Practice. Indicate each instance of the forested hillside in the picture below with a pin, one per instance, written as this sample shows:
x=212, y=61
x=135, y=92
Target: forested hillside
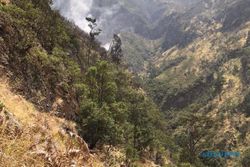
x=181, y=89
x=192, y=57
x=64, y=73
x=205, y=76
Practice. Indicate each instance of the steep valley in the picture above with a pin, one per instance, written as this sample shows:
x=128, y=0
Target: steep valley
x=183, y=87
x=194, y=58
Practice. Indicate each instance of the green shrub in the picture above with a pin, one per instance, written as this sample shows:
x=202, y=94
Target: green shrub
x=131, y=153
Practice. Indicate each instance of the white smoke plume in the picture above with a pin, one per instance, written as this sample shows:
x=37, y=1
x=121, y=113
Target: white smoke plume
x=77, y=10
x=106, y=46
x=74, y=10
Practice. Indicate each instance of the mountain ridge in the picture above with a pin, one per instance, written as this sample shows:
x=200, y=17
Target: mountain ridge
x=185, y=91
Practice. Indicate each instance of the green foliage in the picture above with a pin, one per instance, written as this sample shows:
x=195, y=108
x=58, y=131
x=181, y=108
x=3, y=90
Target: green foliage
x=132, y=153
x=100, y=127
x=193, y=134
x=145, y=120
x=113, y=112
x=55, y=68
x=54, y=58
x=101, y=83
x=102, y=118
x=35, y=16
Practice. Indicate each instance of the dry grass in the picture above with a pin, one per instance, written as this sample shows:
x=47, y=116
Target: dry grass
x=41, y=141
x=15, y=152
x=207, y=48
x=5, y=2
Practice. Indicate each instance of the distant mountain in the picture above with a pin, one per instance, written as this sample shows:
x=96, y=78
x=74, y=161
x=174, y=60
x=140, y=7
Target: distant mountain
x=188, y=92
x=162, y=22
x=192, y=56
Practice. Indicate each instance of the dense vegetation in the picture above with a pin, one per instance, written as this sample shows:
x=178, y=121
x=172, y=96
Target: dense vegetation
x=188, y=111
x=50, y=57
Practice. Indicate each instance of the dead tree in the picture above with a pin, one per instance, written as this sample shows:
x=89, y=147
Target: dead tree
x=94, y=30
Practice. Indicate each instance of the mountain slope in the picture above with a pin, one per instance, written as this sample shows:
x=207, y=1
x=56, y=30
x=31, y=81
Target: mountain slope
x=195, y=60
x=31, y=137
x=209, y=75
x=206, y=54
x=64, y=73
